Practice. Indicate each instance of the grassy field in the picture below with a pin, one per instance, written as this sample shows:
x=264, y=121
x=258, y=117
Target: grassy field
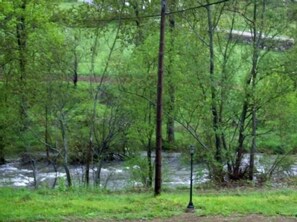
x=82, y=204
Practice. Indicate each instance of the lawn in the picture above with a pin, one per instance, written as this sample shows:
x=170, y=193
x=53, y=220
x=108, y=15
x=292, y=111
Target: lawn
x=90, y=204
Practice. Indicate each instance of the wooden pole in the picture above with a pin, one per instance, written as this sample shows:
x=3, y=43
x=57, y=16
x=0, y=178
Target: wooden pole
x=158, y=172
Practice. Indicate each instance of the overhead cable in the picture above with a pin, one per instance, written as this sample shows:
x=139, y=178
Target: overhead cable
x=119, y=18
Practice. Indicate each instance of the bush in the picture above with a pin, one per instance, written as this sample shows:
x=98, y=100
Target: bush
x=139, y=171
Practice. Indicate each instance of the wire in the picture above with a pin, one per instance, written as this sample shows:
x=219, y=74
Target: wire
x=158, y=15
x=197, y=7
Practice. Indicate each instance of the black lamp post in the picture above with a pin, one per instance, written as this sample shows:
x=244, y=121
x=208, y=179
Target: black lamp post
x=190, y=207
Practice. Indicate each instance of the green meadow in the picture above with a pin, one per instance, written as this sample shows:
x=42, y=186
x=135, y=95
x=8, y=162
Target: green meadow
x=91, y=204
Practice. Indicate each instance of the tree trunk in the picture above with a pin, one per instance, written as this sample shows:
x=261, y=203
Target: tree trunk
x=68, y=176
x=75, y=69
x=34, y=169
x=217, y=166
x=22, y=59
x=139, y=37
x=249, y=94
x=65, y=150
x=88, y=161
x=170, y=117
x=241, y=138
x=150, y=165
x=170, y=74
x=98, y=172
x=2, y=156
x=46, y=135
x=254, y=144
x=149, y=146
x=56, y=171
x=256, y=42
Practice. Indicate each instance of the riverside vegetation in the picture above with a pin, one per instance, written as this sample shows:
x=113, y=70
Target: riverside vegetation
x=78, y=86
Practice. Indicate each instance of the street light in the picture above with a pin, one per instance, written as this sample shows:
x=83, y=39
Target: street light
x=190, y=207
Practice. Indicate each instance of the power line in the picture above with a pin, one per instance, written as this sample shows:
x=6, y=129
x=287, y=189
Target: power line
x=197, y=7
x=158, y=15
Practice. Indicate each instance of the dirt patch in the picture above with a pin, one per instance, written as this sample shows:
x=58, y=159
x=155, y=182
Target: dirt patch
x=250, y=218
x=191, y=217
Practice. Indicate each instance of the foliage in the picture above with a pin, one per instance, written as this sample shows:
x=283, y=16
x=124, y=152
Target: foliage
x=79, y=80
x=139, y=171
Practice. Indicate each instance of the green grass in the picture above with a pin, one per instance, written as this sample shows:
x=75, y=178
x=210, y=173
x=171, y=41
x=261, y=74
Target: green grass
x=105, y=41
x=81, y=204
x=69, y=5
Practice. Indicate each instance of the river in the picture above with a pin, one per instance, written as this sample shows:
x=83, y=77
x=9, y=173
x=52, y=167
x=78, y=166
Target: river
x=117, y=174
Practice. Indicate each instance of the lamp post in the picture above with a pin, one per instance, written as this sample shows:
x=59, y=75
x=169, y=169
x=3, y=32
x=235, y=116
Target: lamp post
x=190, y=207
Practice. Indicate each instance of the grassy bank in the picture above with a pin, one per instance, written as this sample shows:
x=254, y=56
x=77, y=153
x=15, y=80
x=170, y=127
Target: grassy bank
x=57, y=205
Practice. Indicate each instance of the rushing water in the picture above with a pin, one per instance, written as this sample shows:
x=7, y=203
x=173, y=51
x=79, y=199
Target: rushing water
x=114, y=175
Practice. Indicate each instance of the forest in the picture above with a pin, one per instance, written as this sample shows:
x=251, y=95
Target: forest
x=78, y=85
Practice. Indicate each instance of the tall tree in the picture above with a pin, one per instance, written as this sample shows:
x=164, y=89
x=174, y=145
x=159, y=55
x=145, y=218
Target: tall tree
x=170, y=75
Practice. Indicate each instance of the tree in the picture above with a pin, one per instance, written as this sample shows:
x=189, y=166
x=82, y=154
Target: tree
x=233, y=69
x=171, y=72
x=214, y=84
x=139, y=96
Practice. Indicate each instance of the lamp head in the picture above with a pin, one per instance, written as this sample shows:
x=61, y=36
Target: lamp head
x=192, y=149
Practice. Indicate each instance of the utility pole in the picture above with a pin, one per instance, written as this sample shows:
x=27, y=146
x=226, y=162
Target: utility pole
x=158, y=172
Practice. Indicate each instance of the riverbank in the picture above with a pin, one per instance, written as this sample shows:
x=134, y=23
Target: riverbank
x=81, y=204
